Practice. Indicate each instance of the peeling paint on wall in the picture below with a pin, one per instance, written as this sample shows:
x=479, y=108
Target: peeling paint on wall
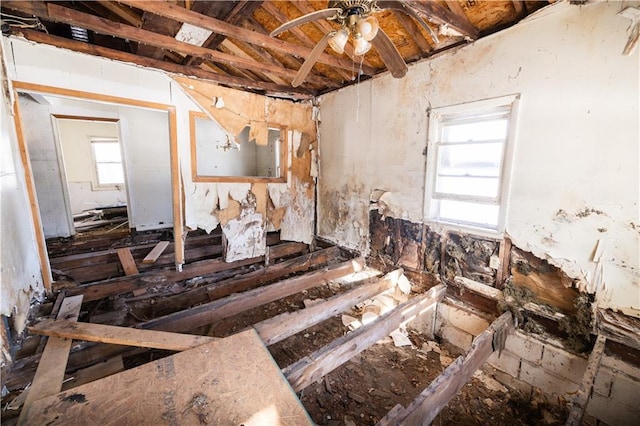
x=286, y=207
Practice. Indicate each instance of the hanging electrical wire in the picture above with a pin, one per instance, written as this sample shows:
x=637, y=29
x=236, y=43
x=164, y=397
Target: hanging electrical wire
x=8, y=20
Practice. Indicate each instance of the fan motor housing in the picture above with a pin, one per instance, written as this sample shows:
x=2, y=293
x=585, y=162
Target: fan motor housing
x=350, y=7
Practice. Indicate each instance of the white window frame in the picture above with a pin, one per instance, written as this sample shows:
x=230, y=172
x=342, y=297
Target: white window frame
x=467, y=111
x=106, y=186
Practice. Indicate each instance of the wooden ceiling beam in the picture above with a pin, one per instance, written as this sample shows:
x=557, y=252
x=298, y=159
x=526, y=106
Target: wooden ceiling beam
x=181, y=14
x=240, y=10
x=520, y=8
x=103, y=26
x=123, y=12
x=414, y=32
x=441, y=15
x=118, y=55
x=232, y=48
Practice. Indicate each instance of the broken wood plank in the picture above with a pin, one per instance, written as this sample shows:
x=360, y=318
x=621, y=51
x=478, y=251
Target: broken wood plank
x=313, y=367
x=156, y=252
x=280, y=327
x=126, y=259
x=50, y=373
x=119, y=335
x=229, y=381
x=120, y=285
x=208, y=313
x=98, y=371
x=479, y=288
x=580, y=401
x=242, y=282
x=92, y=49
x=438, y=394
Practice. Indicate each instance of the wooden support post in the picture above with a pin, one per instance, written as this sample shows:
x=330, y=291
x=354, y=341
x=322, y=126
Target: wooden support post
x=287, y=324
x=311, y=368
x=209, y=313
x=127, y=261
x=579, y=404
x=156, y=252
x=504, y=255
x=119, y=335
x=434, y=398
x=53, y=363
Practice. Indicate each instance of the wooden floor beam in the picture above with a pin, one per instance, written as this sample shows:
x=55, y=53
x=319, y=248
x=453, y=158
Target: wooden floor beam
x=242, y=282
x=434, y=398
x=120, y=285
x=313, y=367
x=280, y=327
x=209, y=313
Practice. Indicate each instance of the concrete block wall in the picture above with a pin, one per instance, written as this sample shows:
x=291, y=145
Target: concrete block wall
x=527, y=362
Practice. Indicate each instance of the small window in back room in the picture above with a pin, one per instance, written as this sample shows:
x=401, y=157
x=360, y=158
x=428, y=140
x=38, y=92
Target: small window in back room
x=467, y=162
x=108, y=161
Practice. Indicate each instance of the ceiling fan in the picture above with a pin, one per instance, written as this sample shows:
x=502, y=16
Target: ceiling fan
x=357, y=20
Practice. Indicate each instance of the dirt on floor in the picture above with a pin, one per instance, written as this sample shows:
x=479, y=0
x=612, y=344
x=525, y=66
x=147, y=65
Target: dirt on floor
x=364, y=389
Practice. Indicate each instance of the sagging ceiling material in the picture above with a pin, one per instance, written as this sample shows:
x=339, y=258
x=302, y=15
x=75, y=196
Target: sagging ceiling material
x=228, y=41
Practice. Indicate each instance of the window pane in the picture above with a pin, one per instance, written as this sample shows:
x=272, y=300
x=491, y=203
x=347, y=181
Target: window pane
x=474, y=186
x=485, y=215
x=107, y=152
x=110, y=173
x=475, y=131
x=470, y=159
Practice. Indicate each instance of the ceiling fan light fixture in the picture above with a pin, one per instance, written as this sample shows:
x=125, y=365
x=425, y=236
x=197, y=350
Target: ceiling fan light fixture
x=368, y=27
x=360, y=45
x=339, y=40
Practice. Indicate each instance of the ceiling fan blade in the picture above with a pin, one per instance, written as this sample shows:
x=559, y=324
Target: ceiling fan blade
x=408, y=10
x=311, y=60
x=389, y=54
x=313, y=16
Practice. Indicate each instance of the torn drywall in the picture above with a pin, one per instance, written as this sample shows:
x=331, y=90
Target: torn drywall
x=244, y=237
x=286, y=207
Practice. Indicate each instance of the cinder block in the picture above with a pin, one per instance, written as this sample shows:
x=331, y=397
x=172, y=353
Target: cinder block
x=424, y=323
x=548, y=382
x=507, y=362
x=524, y=346
x=621, y=366
x=508, y=380
x=456, y=337
x=602, y=384
x=625, y=391
x=462, y=319
x=563, y=363
x=611, y=412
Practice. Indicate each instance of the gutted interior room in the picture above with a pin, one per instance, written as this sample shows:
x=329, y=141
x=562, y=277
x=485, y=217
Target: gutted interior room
x=349, y=212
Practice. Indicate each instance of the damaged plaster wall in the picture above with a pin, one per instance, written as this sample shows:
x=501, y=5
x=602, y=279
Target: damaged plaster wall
x=20, y=274
x=246, y=211
x=574, y=188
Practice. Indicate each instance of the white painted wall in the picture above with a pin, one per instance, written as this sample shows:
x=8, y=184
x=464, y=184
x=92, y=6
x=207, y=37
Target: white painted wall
x=20, y=275
x=577, y=144
x=48, y=178
x=145, y=139
x=81, y=175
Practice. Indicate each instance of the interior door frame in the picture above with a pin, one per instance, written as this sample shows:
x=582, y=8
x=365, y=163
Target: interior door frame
x=176, y=188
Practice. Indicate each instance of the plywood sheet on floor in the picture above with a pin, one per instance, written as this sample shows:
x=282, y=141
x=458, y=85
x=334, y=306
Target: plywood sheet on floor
x=230, y=381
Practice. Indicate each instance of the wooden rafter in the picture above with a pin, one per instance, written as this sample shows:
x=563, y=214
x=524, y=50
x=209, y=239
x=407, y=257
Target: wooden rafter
x=90, y=49
x=123, y=12
x=440, y=15
x=414, y=32
x=178, y=13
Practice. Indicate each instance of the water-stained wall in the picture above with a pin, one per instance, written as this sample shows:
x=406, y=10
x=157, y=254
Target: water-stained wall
x=573, y=197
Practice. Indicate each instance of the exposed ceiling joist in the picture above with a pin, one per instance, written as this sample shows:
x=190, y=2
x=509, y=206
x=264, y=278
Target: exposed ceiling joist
x=179, y=13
